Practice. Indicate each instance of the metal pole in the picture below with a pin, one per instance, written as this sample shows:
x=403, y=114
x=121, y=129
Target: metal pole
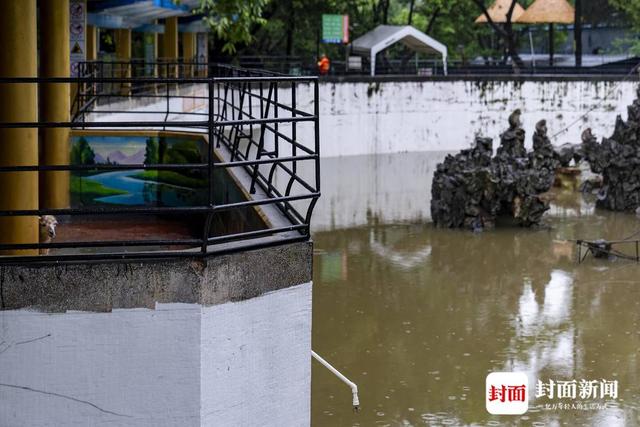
x=211, y=172
x=533, y=54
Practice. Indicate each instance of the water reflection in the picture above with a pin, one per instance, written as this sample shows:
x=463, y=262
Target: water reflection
x=418, y=316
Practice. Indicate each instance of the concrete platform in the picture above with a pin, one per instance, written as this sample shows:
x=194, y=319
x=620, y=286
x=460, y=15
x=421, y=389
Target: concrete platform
x=189, y=342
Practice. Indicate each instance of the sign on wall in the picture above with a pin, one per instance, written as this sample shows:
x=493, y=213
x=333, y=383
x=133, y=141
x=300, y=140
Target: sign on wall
x=335, y=29
x=77, y=33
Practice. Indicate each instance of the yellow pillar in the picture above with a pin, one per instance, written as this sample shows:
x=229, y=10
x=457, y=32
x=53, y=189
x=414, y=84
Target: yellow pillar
x=189, y=52
x=54, y=102
x=123, y=54
x=18, y=103
x=171, y=43
x=92, y=43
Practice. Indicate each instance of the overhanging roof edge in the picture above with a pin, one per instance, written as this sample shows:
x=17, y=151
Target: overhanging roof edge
x=138, y=12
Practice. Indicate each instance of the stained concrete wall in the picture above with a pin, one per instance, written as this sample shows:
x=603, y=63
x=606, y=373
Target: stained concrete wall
x=389, y=116
x=186, y=342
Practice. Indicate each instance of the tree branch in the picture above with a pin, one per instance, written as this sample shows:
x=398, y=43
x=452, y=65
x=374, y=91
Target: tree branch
x=411, y=5
x=485, y=12
x=432, y=20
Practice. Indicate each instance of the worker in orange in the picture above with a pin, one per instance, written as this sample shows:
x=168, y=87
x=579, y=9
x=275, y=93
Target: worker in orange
x=323, y=65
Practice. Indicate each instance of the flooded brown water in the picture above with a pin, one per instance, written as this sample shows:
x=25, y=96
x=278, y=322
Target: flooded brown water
x=418, y=316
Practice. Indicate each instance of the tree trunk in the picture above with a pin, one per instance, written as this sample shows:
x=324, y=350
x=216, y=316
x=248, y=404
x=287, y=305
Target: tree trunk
x=577, y=32
x=291, y=23
x=432, y=21
x=410, y=12
x=512, y=50
x=506, y=33
x=385, y=12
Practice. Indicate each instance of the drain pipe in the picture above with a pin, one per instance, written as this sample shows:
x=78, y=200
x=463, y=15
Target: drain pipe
x=351, y=384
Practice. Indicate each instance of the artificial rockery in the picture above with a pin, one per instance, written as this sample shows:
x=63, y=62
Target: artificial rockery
x=617, y=158
x=473, y=188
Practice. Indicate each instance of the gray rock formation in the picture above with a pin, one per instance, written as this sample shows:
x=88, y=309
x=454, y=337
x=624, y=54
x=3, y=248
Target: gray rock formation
x=617, y=158
x=472, y=188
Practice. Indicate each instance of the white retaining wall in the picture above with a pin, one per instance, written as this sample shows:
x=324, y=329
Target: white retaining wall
x=234, y=364
x=390, y=117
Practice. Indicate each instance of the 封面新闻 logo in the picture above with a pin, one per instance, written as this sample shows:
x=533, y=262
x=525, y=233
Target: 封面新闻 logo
x=507, y=393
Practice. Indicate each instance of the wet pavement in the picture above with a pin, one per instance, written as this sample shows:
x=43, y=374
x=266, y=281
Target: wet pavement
x=418, y=316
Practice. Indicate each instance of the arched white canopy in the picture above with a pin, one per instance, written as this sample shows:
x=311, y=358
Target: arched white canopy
x=384, y=36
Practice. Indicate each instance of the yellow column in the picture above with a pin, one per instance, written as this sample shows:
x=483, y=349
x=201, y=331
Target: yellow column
x=123, y=54
x=171, y=43
x=92, y=43
x=189, y=51
x=18, y=103
x=54, y=102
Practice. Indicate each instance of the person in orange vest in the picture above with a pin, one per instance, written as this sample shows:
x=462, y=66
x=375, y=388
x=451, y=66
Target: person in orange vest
x=323, y=65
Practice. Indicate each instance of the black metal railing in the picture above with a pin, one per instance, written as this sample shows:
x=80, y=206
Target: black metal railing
x=259, y=138
x=412, y=66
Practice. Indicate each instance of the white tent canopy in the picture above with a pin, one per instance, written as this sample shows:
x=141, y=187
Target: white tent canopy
x=384, y=36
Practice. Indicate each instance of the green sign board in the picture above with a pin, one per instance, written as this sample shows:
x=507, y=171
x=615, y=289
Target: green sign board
x=335, y=28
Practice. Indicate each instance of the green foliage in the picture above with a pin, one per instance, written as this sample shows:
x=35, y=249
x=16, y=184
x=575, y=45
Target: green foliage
x=292, y=27
x=176, y=152
x=152, y=151
x=444, y=19
x=449, y=21
x=82, y=153
x=631, y=10
x=185, y=151
x=232, y=20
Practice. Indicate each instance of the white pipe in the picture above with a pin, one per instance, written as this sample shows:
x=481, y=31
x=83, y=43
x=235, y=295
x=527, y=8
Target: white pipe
x=354, y=387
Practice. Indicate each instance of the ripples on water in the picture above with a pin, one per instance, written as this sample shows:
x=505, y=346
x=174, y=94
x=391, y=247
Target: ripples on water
x=418, y=316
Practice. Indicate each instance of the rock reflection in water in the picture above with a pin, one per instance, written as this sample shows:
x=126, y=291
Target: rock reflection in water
x=418, y=316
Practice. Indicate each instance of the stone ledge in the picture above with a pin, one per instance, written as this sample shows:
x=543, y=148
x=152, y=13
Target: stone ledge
x=106, y=286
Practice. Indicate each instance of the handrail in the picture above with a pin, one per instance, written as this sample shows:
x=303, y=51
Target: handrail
x=230, y=113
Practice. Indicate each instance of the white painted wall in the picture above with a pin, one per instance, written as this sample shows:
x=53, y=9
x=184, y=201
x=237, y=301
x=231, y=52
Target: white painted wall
x=357, y=118
x=235, y=364
x=256, y=361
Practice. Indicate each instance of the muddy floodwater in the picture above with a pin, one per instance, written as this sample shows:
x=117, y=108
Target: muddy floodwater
x=418, y=316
